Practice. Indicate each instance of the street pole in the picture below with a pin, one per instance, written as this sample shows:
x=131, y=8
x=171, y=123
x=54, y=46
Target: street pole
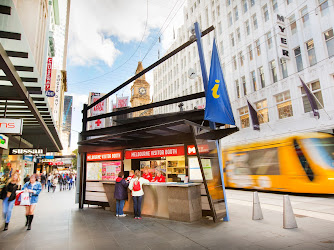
x=211, y=124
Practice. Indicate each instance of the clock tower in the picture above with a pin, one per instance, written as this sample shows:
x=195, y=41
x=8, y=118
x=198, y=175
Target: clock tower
x=140, y=93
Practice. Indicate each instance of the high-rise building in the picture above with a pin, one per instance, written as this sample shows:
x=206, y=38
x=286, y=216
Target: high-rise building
x=66, y=124
x=264, y=47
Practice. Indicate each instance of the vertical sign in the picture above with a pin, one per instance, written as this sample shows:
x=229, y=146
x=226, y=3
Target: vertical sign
x=100, y=108
x=122, y=102
x=56, y=106
x=282, y=42
x=48, y=74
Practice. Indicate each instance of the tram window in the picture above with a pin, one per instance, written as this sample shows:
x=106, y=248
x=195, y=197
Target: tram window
x=255, y=162
x=303, y=161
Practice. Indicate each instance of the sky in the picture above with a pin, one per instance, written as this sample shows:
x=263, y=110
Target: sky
x=106, y=41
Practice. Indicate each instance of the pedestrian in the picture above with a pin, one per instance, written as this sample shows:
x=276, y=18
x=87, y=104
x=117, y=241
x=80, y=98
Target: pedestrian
x=27, y=178
x=43, y=181
x=73, y=180
x=121, y=194
x=136, y=186
x=8, y=194
x=54, y=183
x=131, y=175
x=50, y=177
x=70, y=182
x=34, y=188
x=60, y=181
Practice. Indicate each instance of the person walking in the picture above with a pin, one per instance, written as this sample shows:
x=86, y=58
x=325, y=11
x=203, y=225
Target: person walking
x=60, y=181
x=136, y=187
x=43, y=181
x=70, y=182
x=121, y=194
x=8, y=196
x=34, y=188
x=50, y=177
x=54, y=183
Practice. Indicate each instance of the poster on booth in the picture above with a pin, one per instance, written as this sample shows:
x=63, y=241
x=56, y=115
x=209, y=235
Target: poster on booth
x=110, y=170
x=94, y=171
x=195, y=170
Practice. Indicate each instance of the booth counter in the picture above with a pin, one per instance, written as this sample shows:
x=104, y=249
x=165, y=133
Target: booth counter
x=173, y=201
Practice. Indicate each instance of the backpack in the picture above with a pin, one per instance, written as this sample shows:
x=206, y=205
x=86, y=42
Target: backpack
x=136, y=186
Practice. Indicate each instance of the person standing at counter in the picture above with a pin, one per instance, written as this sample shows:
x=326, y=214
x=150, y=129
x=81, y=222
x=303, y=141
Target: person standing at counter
x=136, y=187
x=147, y=175
x=131, y=175
x=159, y=177
x=121, y=194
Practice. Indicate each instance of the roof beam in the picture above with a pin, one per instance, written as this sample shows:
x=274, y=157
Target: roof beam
x=6, y=10
x=11, y=53
x=9, y=69
x=24, y=68
x=10, y=35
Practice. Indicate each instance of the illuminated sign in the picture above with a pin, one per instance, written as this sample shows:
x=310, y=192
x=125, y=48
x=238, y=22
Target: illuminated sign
x=48, y=74
x=154, y=153
x=26, y=151
x=3, y=141
x=191, y=150
x=105, y=156
x=11, y=126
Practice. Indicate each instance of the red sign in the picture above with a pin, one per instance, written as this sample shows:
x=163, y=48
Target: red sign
x=122, y=102
x=154, y=153
x=201, y=148
x=106, y=156
x=48, y=74
x=56, y=163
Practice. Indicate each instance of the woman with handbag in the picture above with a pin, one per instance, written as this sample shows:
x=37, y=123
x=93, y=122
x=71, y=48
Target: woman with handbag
x=34, y=188
x=8, y=194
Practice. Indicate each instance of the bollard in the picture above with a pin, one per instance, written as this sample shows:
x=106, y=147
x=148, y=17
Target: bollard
x=289, y=220
x=257, y=212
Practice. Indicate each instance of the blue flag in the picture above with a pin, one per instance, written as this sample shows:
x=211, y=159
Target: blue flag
x=218, y=106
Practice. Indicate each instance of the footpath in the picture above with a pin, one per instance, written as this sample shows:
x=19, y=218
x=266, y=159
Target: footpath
x=59, y=224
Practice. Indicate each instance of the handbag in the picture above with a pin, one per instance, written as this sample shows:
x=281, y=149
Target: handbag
x=3, y=193
x=18, y=199
x=25, y=199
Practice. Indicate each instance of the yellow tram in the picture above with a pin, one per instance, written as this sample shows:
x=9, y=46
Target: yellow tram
x=299, y=164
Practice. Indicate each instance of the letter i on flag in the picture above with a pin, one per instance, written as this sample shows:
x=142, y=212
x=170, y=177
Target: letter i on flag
x=253, y=115
x=218, y=106
x=311, y=99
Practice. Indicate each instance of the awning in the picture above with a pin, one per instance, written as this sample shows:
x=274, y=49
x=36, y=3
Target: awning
x=21, y=87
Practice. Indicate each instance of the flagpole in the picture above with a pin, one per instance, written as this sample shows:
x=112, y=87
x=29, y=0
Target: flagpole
x=317, y=100
x=212, y=124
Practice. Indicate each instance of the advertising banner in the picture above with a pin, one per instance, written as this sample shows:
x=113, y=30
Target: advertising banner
x=99, y=109
x=11, y=126
x=3, y=141
x=56, y=106
x=110, y=170
x=122, y=102
x=154, y=153
x=48, y=74
x=105, y=156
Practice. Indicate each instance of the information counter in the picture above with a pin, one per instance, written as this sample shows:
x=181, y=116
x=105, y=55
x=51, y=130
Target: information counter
x=173, y=201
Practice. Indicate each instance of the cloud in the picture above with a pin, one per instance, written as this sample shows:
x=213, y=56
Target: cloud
x=92, y=26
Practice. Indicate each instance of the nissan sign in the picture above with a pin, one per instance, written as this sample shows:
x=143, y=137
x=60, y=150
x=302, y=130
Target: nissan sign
x=26, y=151
x=11, y=126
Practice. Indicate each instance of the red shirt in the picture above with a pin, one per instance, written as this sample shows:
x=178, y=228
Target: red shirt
x=160, y=179
x=147, y=176
x=130, y=177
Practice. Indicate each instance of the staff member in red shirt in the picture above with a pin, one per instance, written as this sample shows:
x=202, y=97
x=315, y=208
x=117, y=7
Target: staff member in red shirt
x=159, y=177
x=147, y=175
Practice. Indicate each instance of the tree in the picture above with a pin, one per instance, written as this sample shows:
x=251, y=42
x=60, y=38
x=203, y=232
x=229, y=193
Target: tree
x=75, y=160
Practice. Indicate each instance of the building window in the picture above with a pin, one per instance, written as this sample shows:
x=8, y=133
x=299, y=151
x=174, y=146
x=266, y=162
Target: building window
x=265, y=13
x=262, y=111
x=237, y=87
x=250, y=52
x=269, y=40
x=255, y=25
x=284, y=68
x=329, y=42
x=293, y=24
x=262, y=79
x=275, y=6
x=316, y=90
x=258, y=47
x=244, y=117
x=305, y=16
x=324, y=7
x=228, y=2
x=288, y=2
x=232, y=40
x=311, y=52
x=213, y=15
x=220, y=28
x=247, y=27
x=299, y=60
x=243, y=80
x=230, y=21
x=238, y=35
x=236, y=13
x=245, y=6
x=221, y=47
x=241, y=57
x=218, y=10
x=254, y=81
x=284, y=105
x=252, y=2
x=272, y=65
x=234, y=63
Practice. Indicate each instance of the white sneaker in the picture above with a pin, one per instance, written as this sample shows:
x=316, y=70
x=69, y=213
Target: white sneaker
x=117, y=215
x=122, y=215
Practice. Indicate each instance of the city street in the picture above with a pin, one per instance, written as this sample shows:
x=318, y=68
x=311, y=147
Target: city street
x=59, y=224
